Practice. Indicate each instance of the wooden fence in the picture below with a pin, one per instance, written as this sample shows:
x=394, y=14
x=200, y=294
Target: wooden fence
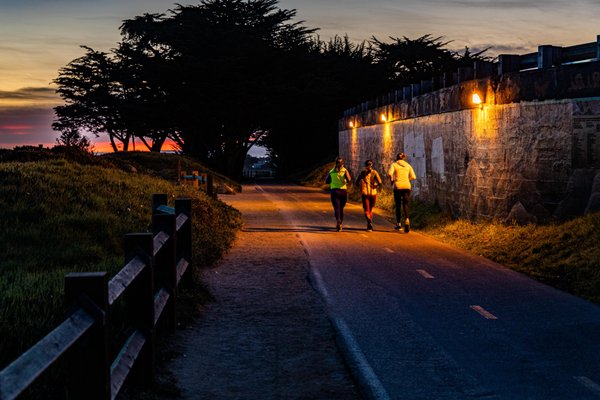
x=201, y=180
x=146, y=292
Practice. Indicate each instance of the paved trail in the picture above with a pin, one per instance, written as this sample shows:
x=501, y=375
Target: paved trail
x=266, y=335
x=414, y=319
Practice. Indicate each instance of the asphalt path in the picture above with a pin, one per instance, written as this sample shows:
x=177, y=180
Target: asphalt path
x=419, y=319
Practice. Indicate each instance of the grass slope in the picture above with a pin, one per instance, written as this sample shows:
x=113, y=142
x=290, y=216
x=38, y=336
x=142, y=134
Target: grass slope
x=59, y=216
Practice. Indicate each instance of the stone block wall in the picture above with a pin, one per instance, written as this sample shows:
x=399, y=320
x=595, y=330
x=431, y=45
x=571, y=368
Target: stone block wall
x=537, y=158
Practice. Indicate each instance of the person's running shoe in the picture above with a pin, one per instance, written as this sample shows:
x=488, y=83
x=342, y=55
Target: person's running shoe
x=369, y=227
x=397, y=226
x=338, y=227
x=406, y=226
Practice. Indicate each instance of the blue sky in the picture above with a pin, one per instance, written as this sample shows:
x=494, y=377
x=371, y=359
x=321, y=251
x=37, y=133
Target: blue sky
x=38, y=37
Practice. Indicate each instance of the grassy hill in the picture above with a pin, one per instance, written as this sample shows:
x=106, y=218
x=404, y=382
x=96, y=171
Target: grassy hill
x=62, y=213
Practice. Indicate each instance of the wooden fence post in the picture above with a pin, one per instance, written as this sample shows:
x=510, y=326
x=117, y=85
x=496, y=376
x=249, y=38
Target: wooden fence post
x=89, y=361
x=139, y=298
x=166, y=264
x=184, y=235
x=158, y=199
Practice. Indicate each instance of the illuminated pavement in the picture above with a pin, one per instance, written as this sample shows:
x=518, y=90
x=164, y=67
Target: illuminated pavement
x=421, y=320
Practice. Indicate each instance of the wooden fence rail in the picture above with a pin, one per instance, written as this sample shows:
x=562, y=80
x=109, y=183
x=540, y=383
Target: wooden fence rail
x=146, y=289
x=201, y=180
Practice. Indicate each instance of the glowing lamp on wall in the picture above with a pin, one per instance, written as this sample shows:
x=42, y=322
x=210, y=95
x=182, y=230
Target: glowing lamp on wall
x=351, y=124
x=383, y=118
x=476, y=99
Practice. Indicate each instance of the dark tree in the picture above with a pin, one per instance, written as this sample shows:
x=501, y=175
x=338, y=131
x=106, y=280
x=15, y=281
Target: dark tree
x=221, y=76
x=407, y=61
x=92, y=98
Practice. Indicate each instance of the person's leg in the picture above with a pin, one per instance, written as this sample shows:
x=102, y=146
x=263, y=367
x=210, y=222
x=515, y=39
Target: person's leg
x=365, y=205
x=343, y=199
x=370, y=203
x=335, y=201
x=373, y=199
x=398, y=206
x=406, y=204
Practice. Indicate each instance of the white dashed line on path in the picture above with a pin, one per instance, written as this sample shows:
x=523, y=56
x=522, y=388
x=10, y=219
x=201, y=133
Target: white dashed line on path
x=483, y=312
x=425, y=274
x=388, y=250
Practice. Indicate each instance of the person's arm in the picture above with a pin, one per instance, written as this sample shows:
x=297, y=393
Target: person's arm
x=411, y=174
x=348, y=178
x=378, y=178
x=360, y=176
x=328, y=178
x=391, y=174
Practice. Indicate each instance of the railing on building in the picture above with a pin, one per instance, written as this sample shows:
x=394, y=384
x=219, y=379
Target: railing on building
x=146, y=287
x=547, y=56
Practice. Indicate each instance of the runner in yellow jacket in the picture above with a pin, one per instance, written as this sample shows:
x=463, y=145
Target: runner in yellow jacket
x=368, y=180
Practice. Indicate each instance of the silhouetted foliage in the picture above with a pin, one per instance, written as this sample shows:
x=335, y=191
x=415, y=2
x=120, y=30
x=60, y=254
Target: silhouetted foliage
x=221, y=76
x=74, y=139
x=407, y=61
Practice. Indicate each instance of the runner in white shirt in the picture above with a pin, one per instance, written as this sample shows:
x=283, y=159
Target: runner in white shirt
x=400, y=174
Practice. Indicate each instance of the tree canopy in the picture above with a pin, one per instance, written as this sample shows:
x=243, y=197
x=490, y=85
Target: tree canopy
x=218, y=77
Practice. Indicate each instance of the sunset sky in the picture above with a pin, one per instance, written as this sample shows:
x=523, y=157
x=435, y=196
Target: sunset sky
x=38, y=37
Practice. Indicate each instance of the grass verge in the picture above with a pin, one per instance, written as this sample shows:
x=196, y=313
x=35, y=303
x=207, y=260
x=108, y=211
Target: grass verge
x=59, y=216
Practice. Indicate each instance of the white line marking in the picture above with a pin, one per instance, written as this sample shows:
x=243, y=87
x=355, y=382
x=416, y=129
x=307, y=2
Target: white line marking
x=388, y=250
x=588, y=383
x=321, y=285
x=425, y=274
x=366, y=373
x=363, y=235
x=484, y=313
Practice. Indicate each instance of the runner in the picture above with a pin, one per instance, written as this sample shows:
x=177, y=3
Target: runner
x=338, y=179
x=401, y=173
x=368, y=180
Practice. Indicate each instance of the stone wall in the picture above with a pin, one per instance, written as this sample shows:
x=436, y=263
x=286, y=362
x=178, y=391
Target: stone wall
x=524, y=161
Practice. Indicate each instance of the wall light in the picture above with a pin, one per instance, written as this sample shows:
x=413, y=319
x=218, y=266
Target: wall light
x=351, y=124
x=476, y=99
x=383, y=118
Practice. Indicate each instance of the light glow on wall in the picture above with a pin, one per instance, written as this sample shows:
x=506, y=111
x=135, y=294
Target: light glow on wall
x=387, y=139
x=485, y=122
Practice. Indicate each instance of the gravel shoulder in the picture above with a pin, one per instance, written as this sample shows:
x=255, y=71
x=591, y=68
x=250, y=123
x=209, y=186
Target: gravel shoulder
x=266, y=335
